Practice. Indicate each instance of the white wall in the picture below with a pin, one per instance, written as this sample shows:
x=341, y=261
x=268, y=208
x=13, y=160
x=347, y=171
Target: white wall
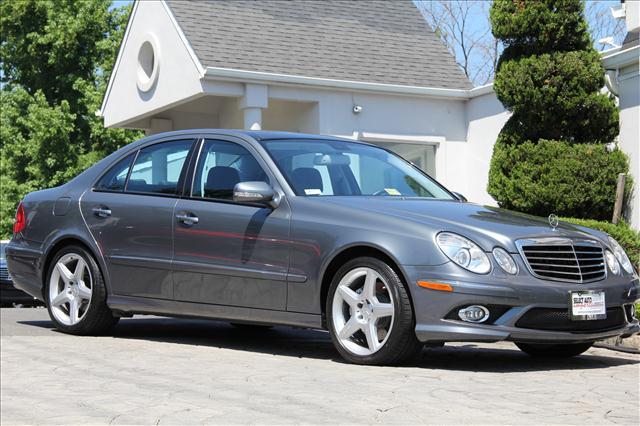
x=485, y=118
x=178, y=75
x=629, y=139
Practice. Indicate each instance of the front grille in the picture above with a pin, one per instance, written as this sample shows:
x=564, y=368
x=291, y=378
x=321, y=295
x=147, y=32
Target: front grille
x=565, y=260
x=4, y=274
x=559, y=320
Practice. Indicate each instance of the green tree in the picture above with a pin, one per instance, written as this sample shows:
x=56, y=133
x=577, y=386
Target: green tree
x=56, y=57
x=550, y=78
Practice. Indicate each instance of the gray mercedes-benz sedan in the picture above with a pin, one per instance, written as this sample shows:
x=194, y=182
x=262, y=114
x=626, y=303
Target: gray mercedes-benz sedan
x=313, y=231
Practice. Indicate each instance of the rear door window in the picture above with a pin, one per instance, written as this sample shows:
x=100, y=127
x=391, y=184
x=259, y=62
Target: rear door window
x=158, y=168
x=116, y=178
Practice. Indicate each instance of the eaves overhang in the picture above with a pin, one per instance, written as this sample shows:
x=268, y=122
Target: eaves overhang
x=621, y=58
x=244, y=76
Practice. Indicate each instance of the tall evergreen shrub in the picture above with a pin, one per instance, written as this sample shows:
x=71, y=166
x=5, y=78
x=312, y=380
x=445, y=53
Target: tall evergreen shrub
x=551, y=155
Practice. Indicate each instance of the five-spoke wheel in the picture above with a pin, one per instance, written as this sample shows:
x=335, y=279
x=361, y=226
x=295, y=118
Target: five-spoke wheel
x=369, y=313
x=363, y=311
x=76, y=295
x=70, y=292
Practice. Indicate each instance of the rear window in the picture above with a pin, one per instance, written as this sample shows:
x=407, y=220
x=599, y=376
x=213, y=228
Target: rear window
x=116, y=178
x=158, y=167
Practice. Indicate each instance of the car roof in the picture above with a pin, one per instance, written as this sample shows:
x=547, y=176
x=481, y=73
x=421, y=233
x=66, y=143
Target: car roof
x=259, y=135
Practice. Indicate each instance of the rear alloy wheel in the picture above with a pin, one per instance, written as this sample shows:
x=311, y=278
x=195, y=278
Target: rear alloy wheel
x=369, y=314
x=76, y=295
x=70, y=287
x=553, y=350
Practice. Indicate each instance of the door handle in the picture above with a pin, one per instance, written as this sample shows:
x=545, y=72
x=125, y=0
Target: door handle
x=187, y=219
x=101, y=211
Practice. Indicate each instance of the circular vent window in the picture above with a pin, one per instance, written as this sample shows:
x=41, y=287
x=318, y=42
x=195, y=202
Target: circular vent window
x=148, y=63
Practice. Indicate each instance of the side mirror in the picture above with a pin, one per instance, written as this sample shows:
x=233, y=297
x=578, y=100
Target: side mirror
x=256, y=193
x=460, y=197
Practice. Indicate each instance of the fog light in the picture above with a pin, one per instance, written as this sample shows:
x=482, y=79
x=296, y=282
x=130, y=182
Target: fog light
x=474, y=313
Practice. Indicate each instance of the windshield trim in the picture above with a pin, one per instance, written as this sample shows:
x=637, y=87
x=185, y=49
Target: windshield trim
x=265, y=142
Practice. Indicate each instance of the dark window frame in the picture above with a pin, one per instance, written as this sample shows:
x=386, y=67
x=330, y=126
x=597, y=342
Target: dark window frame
x=188, y=192
x=195, y=141
x=133, y=156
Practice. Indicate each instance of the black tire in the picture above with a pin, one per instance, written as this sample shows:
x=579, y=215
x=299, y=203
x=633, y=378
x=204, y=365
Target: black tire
x=402, y=344
x=553, y=350
x=98, y=318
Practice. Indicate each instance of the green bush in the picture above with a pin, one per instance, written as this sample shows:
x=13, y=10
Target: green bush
x=556, y=177
x=628, y=238
x=550, y=156
x=540, y=25
x=556, y=96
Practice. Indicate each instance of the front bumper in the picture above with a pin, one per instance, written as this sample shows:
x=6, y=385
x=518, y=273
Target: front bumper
x=514, y=298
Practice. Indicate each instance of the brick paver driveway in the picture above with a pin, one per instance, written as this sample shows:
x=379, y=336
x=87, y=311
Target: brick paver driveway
x=166, y=371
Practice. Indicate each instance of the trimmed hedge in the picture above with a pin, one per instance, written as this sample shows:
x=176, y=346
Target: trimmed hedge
x=557, y=96
x=557, y=177
x=551, y=155
x=628, y=237
x=541, y=25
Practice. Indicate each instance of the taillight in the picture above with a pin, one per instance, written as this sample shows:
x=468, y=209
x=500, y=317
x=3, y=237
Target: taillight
x=20, y=222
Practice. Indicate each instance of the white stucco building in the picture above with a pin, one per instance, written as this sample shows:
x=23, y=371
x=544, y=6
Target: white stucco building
x=372, y=71
x=623, y=75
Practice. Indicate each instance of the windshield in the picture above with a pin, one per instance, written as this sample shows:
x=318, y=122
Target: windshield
x=340, y=168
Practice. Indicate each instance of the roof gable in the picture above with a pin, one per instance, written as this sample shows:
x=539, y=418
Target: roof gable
x=375, y=41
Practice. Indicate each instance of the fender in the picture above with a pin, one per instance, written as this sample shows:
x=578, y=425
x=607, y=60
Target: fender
x=338, y=251
x=53, y=241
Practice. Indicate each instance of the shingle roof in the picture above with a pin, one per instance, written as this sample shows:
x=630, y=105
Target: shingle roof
x=369, y=41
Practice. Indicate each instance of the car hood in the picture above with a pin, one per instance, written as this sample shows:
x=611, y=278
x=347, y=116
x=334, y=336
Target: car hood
x=487, y=226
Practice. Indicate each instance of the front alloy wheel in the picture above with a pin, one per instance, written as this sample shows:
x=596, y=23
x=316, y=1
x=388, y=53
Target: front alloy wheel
x=363, y=311
x=369, y=314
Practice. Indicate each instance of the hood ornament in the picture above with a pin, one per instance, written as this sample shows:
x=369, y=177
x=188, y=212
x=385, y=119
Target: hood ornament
x=553, y=221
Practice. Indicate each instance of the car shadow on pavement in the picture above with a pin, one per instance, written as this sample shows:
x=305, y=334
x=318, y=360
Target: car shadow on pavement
x=305, y=343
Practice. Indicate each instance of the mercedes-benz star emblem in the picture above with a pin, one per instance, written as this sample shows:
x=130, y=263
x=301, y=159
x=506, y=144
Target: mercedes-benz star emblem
x=553, y=221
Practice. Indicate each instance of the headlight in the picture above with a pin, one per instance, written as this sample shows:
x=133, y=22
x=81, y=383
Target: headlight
x=505, y=261
x=612, y=263
x=622, y=257
x=464, y=252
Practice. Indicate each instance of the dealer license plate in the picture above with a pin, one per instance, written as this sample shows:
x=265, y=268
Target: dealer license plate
x=587, y=305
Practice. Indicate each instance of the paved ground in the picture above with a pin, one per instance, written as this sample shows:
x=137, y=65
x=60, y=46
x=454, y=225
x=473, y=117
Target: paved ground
x=165, y=371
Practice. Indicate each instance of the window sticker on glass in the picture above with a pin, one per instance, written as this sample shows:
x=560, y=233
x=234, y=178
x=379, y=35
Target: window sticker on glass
x=392, y=191
x=312, y=191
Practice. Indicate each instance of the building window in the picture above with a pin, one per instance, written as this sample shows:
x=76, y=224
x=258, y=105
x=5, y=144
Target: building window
x=148, y=63
x=422, y=155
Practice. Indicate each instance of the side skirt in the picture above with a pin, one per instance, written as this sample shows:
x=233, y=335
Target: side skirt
x=139, y=305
